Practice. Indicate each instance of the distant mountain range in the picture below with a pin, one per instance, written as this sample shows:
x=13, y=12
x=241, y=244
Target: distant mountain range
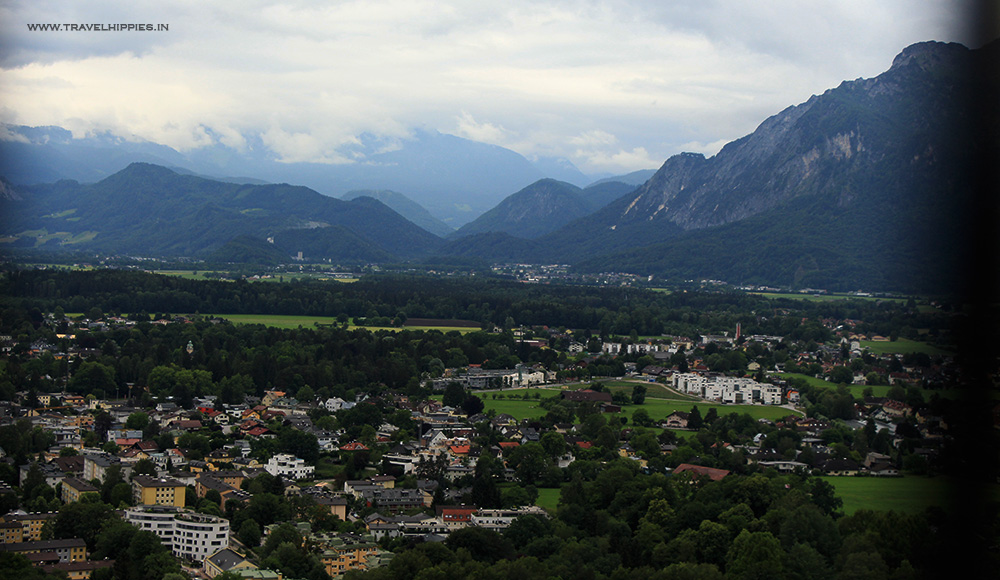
x=865, y=186
x=543, y=207
x=454, y=178
x=151, y=210
x=405, y=207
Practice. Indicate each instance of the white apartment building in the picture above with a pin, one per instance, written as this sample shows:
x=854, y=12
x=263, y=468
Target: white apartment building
x=728, y=389
x=189, y=535
x=289, y=466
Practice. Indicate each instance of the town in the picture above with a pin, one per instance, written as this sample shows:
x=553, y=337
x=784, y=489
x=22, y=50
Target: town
x=184, y=445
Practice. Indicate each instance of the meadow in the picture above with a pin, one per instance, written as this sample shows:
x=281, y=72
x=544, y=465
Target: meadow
x=903, y=346
x=288, y=321
x=907, y=494
x=657, y=408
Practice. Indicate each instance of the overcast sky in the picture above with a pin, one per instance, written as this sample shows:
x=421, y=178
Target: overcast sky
x=613, y=85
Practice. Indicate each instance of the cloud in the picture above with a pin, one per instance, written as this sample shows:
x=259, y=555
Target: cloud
x=599, y=82
x=621, y=160
x=469, y=128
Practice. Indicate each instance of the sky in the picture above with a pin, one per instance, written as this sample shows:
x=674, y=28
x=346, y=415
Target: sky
x=612, y=85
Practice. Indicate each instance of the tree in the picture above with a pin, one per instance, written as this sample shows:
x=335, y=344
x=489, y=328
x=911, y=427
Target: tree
x=754, y=556
x=454, y=395
x=472, y=405
x=553, y=443
x=638, y=394
x=694, y=419
x=641, y=418
x=528, y=461
x=137, y=421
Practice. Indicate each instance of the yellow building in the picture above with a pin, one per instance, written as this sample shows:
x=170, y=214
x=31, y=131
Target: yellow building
x=73, y=488
x=226, y=560
x=11, y=533
x=31, y=524
x=148, y=490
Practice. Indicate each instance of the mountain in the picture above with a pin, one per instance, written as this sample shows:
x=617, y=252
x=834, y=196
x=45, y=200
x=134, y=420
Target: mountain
x=635, y=178
x=405, y=207
x=601, y=194
x=561, y=169
x=453, y=178
x=536, y=210
x=864, y=186
x=150, y=210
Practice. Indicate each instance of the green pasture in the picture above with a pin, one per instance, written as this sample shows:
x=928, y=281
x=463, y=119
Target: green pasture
x=278, y=320
x=548, y=498
x=903, y=346
x=823, y=297
x=653, y=390
x=186, y=274
x=857, y=391
x=290, y=321
x=657, y=409
x=908, y=494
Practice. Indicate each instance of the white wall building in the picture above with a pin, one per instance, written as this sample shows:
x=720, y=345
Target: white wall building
x=289, y=466
x=728, y=389
x=189, y=535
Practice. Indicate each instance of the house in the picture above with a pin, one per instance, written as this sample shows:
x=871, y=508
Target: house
x=226, y=560
x=289, y=466
x=586, y=395
x=676, y=420
x=697, y=471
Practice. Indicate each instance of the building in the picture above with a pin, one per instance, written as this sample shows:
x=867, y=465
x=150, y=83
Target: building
x=728, y=389
x=148, y=490
x=96, y=466
x=72, y=550
x=189, y=535
x=31, y=524
x=226, y=560
x=11, y=532
x=343, y=552
x=73, y=488
x=289, y=466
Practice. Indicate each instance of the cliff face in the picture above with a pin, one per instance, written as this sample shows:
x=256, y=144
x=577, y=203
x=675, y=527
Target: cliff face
x=840, y=145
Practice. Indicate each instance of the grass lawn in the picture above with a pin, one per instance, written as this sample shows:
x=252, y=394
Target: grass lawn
x=660, y=408
x=327, y=469
x=903, y=346
x=548, y=498
x=857, y=391
x=278, y=321
x=288, y=321
x=653, y=390
x=823, y=297
x=908, y=494
x=518, y=408
x=656, y=407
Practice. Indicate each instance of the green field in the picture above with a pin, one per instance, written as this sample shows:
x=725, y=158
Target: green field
x=278, y=321
x=287, y=321
x=657, y=408
x=903, y=346
x=908, y=494
x=823, y=297
x=548, y=498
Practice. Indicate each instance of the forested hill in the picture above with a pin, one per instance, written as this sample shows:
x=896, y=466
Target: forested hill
x=150, y=210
